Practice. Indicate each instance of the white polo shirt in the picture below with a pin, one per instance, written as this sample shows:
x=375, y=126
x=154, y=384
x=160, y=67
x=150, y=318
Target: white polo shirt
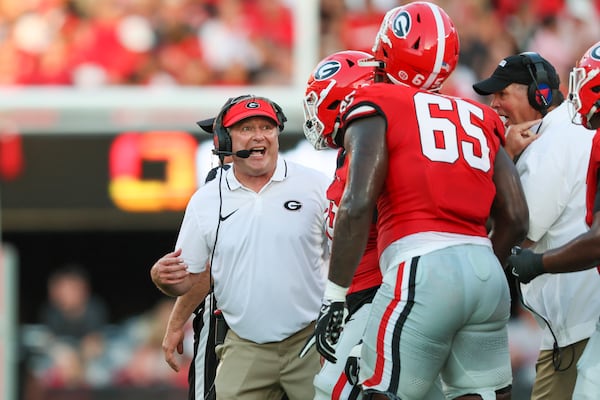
x=553, y=171
x=271, y=255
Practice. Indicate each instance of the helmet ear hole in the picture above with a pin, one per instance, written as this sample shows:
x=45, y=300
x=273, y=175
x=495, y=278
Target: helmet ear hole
x=417, y=44
x=334, y=105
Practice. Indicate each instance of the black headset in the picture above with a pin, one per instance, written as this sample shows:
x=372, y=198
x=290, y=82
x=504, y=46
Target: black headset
x=223, y=145
x=541, y=82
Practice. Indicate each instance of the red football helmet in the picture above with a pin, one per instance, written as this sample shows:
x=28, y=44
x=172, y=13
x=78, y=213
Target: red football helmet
x=584, y=85
x=332, y=80
x=418, y=45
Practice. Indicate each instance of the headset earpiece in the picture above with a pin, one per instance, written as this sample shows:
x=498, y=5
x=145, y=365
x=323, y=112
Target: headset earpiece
x=223, y=139
x=281, y=118
x=539, y=92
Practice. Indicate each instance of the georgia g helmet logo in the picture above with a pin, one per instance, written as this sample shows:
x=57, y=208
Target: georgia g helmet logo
x=595, y=53
x=401, y=24
x=327, y=70
x=252, y=104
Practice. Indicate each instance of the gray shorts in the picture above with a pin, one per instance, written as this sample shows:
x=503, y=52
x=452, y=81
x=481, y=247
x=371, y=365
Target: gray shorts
x=443, y=314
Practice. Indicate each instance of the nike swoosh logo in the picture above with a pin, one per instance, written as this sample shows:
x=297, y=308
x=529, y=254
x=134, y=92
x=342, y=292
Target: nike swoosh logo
x=227, y=216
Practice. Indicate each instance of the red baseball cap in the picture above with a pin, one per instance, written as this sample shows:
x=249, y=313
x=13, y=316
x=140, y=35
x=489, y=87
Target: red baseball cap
x=252, y=107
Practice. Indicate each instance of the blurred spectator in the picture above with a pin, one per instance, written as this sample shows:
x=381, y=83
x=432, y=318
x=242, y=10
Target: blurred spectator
x=125, y=356
x=67, y=367
x=563, y=32
x=145, y=42
x=251, y=42
x=225, y=40
x=176, y=57
x=75, y=319
x=145, y=366
x=361, y=24
x=273, y=36
x=73, y=313
x=331, y=15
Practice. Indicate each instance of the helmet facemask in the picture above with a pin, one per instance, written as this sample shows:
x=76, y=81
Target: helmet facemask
x=330, y=88
x=584, y=94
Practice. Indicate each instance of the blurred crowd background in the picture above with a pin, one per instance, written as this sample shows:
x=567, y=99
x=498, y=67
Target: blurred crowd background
x=75, y=344
x=250, y=42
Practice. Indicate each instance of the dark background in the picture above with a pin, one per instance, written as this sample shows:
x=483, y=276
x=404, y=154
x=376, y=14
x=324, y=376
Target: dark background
x=118, y=264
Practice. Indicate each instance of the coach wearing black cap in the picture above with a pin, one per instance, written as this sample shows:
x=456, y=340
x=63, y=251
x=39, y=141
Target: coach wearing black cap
x=552, y=156
x=529, y=69
x=525, y=87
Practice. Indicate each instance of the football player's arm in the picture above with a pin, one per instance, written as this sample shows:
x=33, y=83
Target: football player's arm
x=509, y=210
x=365, y=144
x=580, y=253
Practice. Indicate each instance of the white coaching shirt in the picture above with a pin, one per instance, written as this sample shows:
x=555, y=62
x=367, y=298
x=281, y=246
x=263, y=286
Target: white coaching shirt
x=553, y=171
x=271, y=251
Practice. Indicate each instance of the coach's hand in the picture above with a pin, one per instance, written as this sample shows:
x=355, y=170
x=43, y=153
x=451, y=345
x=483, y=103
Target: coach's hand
x=172, y=341
x=525, y=264
x=331, y=319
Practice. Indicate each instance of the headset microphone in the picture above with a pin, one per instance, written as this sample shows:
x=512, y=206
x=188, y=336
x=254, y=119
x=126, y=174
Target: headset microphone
x=240, y=153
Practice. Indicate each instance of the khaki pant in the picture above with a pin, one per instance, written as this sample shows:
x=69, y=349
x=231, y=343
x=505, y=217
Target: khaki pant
x=251, y=371
x=557, y=385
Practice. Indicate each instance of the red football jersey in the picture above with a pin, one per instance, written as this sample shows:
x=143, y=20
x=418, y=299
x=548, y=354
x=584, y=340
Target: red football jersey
x=441, y=160
x=592, y=178
x=367, y=274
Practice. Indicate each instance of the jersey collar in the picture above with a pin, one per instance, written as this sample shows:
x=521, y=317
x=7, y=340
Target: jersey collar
x=281, y=172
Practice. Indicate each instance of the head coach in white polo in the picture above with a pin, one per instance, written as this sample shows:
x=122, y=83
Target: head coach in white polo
x=261, y=226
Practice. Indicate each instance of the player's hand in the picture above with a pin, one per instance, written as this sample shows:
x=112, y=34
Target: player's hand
x=525, y=264
x=329, y=327
x=352, y=364
x=519, y=136
x=310, y=342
